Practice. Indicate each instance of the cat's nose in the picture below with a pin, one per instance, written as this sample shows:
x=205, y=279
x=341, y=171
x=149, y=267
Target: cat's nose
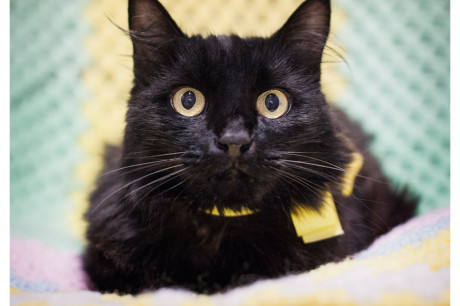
x=234, y=143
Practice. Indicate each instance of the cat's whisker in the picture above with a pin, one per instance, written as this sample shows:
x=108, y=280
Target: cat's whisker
x=273, y=187
x=132, y=182
x=155, y=142
x=137, y=189
x=288, y=180
x=310, y=164
x=171, y=188
x=291, y=179
x=310, y=183
x=300, y=152
x=333, y=165
x=299, y=180
x=140, y=168
x=324, y=175
x=167, y=154
x=300, y=139
x=187, y=178
x=151, y=158
x=159, y=180
x=168, y=178
x=145, y=154
x=314, y=158
x=125, y=199
x=141, y=164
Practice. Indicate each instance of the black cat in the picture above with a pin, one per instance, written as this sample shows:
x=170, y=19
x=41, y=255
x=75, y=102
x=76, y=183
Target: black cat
x=227, y=140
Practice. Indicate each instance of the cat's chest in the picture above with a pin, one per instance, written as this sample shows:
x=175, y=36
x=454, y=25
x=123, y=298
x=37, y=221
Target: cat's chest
x=206, y=238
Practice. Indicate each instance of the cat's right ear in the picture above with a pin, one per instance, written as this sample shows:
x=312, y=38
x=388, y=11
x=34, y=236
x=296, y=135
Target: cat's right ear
x=150, y=28
x=307, y=29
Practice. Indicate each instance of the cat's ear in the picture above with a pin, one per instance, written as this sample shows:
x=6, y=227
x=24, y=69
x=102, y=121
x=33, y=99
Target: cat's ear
x=307, y=29
x=150, y=28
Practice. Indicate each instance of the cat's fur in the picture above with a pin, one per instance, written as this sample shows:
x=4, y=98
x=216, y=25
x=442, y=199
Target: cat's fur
x=147, y=225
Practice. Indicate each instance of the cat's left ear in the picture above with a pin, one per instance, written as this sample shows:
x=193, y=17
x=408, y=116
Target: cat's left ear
x=150, y=28
x=307, y=29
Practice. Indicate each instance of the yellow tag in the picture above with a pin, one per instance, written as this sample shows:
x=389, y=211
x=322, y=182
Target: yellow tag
x=315, y=225
x=351, y=172
x=311, y=224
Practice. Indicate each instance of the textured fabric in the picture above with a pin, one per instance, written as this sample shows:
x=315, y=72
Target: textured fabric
x=408, y=266
x=47, y=57
x=70, y=80
x=398, y=74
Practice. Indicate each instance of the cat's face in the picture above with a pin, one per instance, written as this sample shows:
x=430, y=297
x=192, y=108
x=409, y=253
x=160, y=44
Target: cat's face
x=229, y=120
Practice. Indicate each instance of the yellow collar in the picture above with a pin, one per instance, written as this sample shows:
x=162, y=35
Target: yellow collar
x=227, y=212
x=314, y=224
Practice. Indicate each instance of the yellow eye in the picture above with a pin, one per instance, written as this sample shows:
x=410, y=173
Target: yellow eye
x=272, y=104
x=188, y=102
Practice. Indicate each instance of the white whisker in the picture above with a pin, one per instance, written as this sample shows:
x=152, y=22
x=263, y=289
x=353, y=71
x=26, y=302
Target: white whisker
x=141, y=164
x=132, y=182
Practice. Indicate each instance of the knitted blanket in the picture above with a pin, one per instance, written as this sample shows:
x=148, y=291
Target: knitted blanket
x=70, y=80
x=408, y=266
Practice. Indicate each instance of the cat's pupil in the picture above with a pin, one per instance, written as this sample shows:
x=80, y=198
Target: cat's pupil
x=272, y=102
x=188, y=99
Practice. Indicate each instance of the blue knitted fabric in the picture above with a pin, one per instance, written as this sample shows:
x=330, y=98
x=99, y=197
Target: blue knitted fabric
x=47, y=59
x=398, y=89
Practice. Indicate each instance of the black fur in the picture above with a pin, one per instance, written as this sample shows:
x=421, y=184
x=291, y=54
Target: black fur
x=147, y=225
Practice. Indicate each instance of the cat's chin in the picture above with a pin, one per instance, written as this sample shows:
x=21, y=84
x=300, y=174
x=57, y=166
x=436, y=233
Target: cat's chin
x=232, y=188
x=232, y=185
x=232, y=176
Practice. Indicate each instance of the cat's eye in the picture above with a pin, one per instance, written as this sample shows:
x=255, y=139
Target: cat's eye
x=272, y=104
x=188, y=101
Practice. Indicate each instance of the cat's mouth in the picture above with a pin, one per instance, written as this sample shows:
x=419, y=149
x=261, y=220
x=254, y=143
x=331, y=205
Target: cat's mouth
x=233, y=174
x=229, y=184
